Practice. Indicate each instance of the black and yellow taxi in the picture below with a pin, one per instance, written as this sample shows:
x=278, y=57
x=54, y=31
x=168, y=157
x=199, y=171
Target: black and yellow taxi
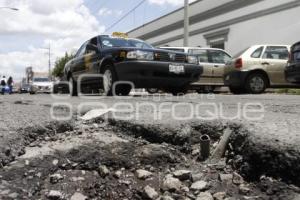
x=292, y=70
x=124, y=63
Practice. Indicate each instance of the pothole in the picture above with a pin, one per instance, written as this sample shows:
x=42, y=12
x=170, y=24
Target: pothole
x=15, y=146
x=103, y=160
x=255, y=159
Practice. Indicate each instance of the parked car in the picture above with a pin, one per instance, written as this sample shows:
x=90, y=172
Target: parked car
x=24, y=88
x=257, y=68
x=41, y=85
x=213, y=62
x=125, y=59
x=292, y=71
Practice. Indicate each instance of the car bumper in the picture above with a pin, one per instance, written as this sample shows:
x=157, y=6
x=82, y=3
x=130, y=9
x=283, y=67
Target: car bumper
x=292, y=73
x=235, y=78
x=41, y=90
x=151, y=74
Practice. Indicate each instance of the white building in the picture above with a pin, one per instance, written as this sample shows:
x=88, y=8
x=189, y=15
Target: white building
x=229, y=24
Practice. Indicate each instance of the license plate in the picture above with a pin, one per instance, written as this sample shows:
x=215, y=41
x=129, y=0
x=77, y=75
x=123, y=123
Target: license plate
x=177, y=69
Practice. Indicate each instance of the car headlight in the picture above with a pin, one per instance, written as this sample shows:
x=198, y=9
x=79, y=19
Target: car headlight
x=192, y=59
x=140, y=55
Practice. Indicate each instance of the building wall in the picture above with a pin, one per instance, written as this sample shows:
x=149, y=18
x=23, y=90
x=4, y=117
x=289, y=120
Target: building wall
x=244, y=23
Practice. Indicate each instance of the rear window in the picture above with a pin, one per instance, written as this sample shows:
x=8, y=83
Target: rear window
x=296, y=56
x=257, y=53
x=296, y=47
x=296, y=52
x=274, y=52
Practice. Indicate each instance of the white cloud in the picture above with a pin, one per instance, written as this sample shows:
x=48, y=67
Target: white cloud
x=107, y=12
x=66, y=24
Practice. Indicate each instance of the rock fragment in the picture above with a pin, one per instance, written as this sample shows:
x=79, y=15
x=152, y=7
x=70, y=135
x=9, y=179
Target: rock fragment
x=182, y=174
x=118, y=174
x=103, y=171
x=55, y=178
x=78, y=196
x=55, y=162
x=226, y=178
x=150, y=193
x=219, y=195
x=143, y=174
x=237, y=179
x=54, y=195
x=205, y=196
x=197, y=177
x=171, y=184
x=199, y=185
x=244, y=189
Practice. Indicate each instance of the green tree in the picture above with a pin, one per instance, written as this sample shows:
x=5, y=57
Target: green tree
x=60, y=63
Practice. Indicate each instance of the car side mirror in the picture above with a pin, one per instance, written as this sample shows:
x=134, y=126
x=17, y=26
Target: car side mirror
x=92, y=48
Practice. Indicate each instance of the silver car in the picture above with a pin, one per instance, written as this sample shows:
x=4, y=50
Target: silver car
x=213, y=61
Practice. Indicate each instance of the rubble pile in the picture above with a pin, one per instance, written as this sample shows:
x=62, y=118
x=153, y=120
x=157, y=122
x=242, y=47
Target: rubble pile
x=132, y=167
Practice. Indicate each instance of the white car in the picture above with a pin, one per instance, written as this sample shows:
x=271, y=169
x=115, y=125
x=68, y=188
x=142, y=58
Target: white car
x=41, y=85
x=213, y=61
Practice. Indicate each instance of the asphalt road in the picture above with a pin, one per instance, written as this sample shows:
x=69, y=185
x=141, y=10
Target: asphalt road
x=277, y=115
x=269, y=116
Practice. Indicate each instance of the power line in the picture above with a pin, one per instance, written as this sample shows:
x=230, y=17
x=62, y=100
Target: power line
x=124, y=16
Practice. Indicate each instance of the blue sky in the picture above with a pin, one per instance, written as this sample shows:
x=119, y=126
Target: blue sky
x=145, y=13
x=65, y=24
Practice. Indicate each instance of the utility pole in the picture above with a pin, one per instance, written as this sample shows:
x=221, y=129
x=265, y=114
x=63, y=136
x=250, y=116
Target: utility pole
x=49, y=60
x=186, y=23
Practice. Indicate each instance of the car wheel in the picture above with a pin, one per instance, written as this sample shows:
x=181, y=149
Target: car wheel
x=256, y=83
x=123, y=90
x=152, y=90
x=236, y=90
x=73, y=87
x=178, y=91
x=109, y=78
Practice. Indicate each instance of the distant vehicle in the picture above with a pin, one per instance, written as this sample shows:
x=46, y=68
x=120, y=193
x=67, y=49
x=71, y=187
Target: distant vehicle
x=292, y=71
x=257, y=68
x=24, y=88
x=213, y=61
x=133, y=60
x=41, y=85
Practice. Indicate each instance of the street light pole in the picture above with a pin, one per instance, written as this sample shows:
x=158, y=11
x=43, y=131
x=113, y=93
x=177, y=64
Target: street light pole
x=10, y=8
x=186, y=23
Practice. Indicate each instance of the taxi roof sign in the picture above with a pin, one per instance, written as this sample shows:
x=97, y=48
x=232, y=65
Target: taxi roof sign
x=120, y=35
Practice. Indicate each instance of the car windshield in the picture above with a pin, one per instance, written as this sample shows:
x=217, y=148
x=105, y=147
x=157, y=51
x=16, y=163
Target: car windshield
x=41, y=80
x=120, y=42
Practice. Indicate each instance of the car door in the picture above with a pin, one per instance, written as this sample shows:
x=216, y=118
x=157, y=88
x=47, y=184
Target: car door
x=275, y=59
x=91, y=57
x=78, y=66
x=205, y=78
x=218, y=59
